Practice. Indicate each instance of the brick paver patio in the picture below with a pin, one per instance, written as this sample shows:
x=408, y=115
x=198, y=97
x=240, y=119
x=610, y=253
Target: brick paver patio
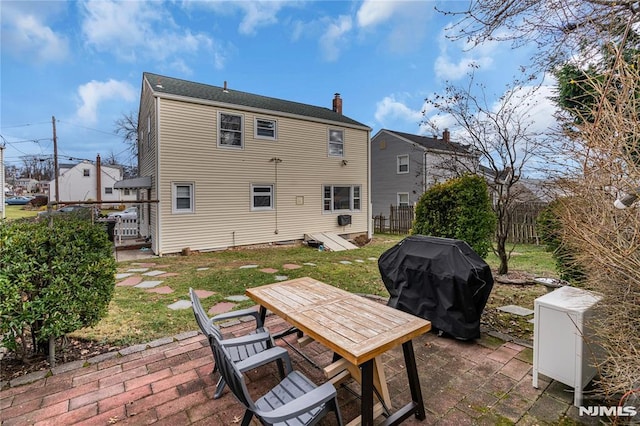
x=170, y=382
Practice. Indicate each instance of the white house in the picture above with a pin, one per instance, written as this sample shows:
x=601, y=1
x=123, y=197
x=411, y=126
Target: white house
x=90, y=181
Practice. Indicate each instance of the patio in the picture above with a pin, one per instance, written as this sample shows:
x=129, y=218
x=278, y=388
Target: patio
x=169, y=381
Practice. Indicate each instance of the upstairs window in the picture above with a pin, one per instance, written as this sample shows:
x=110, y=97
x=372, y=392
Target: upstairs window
x=230, y=130
x=266, y=129
x=336, y=143
x=403, y=164
x=341, y=198
x=261, y=197
x=108, y=190
x=86, y=172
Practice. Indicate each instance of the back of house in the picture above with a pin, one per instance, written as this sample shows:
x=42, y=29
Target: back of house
x=221, y=168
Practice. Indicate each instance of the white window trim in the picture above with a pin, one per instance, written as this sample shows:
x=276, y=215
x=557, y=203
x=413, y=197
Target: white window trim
x=174, y=194
x=351, y=198
x=86, y=172
x=398, y=171
x=221, y=145
x=398, y=198
x=275, y=129
x=329, y=143
x=108, y=190
x=271, y=195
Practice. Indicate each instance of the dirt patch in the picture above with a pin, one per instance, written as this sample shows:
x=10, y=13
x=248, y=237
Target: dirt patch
x=69, y=350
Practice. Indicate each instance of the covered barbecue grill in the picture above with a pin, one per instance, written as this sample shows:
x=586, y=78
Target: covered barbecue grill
x=439, y=279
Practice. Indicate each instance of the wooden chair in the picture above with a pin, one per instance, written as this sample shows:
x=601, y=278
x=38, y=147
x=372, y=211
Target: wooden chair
x=239, y=348
x=296, y=400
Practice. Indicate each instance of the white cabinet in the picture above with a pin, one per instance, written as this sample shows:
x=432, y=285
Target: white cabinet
x=564, y=346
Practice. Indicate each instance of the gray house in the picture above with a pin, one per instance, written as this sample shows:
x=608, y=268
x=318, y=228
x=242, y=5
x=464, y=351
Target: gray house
x=403, y=166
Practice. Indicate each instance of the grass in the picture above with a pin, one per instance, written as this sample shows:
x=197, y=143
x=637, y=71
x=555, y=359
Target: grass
x=137, y=316
x=18, y=212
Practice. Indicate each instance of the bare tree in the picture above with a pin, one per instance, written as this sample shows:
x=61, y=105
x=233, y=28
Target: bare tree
x=559, y=28
x=502, y=136
x=127, y=128
x=37, y=167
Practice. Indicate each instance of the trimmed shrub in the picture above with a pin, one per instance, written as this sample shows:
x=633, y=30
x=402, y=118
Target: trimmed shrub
x=54, y=279
x=459, y=208
x=549, y=228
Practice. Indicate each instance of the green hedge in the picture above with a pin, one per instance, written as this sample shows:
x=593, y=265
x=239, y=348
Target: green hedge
x=54, y=279
x=459, y=208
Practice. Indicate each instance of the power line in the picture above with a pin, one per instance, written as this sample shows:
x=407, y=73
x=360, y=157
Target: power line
x=88, y=128
x=24, y=125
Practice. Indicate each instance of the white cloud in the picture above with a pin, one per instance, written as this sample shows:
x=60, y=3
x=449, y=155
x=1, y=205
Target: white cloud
x=373, y=12
x=457, y=57
x=256, y=13
x=391, y=111
x=135, y=30
x=334, y=38
x=94, y=93
x=403, y=24
x=25, y=35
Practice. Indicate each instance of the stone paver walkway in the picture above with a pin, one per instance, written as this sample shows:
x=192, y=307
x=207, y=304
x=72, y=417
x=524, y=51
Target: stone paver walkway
x=169, y=381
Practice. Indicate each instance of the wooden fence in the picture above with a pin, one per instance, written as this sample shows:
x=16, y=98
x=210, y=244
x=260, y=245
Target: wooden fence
x=522, y=229
x=400, y=220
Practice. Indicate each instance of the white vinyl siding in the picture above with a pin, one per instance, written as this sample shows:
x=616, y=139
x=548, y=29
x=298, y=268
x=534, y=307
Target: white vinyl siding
x=403, y=164
x=230, y=130
x=266, y=129
x=262, y=197
x=341, y=198
x=183, y=199
x=336, y=143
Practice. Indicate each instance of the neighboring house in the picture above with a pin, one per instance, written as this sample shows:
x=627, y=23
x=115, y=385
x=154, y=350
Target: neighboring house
x=89, y=181
x=222, y=168
x=404, y=166
x=25, y=185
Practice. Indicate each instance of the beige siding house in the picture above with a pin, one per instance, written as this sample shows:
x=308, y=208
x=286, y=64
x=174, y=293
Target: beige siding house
x=223, y=168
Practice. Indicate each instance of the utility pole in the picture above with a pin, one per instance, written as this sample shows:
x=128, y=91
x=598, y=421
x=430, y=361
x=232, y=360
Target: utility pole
x=2, y=181
x=55, y=159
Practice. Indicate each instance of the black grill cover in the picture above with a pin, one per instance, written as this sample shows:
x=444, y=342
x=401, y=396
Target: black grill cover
x=438, y=279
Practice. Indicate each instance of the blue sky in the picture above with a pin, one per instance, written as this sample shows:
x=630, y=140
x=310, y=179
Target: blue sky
x=82, y=62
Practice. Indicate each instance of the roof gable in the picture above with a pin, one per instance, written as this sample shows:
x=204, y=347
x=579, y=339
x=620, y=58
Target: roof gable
x=173, y=86
x=427, y=142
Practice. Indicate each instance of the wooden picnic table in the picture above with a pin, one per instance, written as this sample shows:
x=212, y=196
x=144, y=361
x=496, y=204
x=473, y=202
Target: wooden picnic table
x=358, y=330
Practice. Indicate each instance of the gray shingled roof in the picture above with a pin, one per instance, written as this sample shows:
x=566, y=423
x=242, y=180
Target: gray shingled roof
x=430, y=143
x=175, y=86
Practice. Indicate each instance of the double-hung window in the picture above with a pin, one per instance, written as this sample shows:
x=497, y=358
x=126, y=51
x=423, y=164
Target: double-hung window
x=86, y=172
x=230, y=130
x=403, y=199
x=336, y=143
x=266, y=129
x=108, y=190
x=182, y=198
x=403, y=164
x=341, y=198
x=262, y=197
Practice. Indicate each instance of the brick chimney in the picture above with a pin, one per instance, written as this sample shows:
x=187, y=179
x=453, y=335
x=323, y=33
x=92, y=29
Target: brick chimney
x=446, y=136
x=337, y=103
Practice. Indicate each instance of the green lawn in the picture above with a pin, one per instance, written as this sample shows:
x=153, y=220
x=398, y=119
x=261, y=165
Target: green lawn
x=137, y=316
x=18, y=212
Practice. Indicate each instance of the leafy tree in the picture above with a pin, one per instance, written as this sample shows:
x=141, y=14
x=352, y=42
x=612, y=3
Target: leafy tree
x=459, y=208
x=54, y=279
